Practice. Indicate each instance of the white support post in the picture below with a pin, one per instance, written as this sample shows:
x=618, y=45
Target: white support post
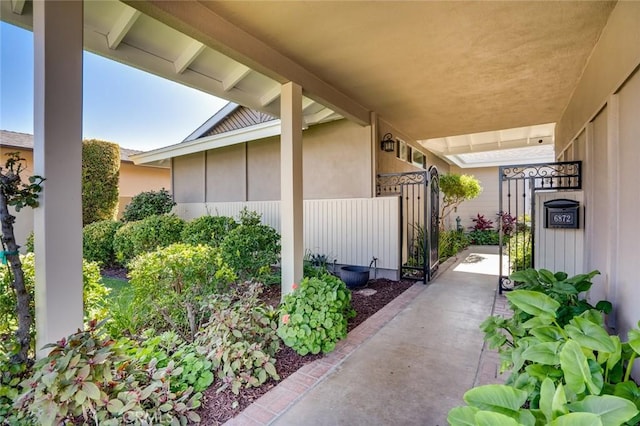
x=58, y=33
x=291, y=185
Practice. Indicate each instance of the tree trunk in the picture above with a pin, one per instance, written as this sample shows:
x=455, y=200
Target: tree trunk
x=23, y=334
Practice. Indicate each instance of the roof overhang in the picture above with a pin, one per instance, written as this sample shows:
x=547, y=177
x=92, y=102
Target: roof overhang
x=429, y=69
x=247, y=134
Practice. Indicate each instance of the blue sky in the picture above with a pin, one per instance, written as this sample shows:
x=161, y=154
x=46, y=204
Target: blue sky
x=135, y=109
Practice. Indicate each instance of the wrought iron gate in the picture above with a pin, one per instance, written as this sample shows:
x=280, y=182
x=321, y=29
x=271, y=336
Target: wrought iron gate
x=419, y=195
x=516, y=214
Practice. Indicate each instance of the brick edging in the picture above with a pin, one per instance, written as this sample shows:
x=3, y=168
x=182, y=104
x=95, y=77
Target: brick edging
x=277, y=401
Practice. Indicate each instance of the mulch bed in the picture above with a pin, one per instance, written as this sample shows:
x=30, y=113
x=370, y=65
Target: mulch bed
x=218, y=407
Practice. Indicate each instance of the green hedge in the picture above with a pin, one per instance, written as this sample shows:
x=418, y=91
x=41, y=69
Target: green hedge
x=169, y=285
x=100, y=176
x=135, y=238
x=149, y=203
x=209, y=230
x=97, y=241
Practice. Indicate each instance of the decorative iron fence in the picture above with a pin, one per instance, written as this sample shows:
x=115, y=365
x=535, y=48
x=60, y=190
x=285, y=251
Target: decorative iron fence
x=418, y=220
x=517, y=218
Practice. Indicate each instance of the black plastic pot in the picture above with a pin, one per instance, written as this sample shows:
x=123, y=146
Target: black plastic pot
x=354, y=276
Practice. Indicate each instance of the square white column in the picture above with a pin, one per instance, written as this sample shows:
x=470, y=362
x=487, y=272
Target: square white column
x=58, y=34
x=291, y=204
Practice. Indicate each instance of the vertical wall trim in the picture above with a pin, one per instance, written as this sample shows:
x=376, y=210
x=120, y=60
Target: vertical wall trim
x=589, y=193
x=374, y=152
x=204, y=176
x=172, y=177
x=613, y=154
x=246, y=171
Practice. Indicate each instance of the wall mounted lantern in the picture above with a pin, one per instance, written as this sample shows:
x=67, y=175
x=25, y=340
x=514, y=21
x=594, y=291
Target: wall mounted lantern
x=388, y=144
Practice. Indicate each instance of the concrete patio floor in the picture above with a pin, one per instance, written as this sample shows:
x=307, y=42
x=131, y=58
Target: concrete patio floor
x=407, y=365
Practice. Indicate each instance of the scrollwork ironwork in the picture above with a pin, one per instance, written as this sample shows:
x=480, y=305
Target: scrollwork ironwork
x=506, y=284
x=391, y=183
x=562, y=175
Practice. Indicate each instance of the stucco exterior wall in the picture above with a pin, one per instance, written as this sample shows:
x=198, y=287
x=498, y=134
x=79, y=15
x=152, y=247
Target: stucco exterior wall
x=226, y=173
x=336, y=164
x=337, y=161
x=263, y=169
x=388, y=162
x=188, y=178
x=606, y=106
x=136, y=179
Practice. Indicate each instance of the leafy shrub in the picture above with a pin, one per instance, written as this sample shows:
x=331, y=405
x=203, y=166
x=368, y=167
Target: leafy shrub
x=556, y=341
x=149, y=203
x=89, y=379
x=100, y=178
x=29, y=244
x=520, y=247
x=171, y=283
x=94, y=293
x=97, y=241
x=456, y=189
x=315, y=265
x=125, y=319
x=12, y=373
x=481, y=223
x=507, y=223
x=451, y=243
x=562, y=358
x=210, y=230
x=251, y=248
x=240, y=340
x=504, y=405
x=167, y=347
x=314, y=316
x=146, y=235
x=566, y=291
x=123, y=248
x=484, y=238
x=579, y=356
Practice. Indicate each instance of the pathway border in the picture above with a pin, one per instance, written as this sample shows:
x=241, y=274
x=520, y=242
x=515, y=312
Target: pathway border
x=272, y=404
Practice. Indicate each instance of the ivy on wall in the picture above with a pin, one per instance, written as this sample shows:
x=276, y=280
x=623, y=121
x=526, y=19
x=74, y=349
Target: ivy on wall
x=100, y=175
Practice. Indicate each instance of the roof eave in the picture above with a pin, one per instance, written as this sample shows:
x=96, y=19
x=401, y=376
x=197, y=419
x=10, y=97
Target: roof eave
x=258, y=131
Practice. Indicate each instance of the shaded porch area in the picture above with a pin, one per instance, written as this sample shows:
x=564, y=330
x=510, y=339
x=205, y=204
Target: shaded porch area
x=409, y=364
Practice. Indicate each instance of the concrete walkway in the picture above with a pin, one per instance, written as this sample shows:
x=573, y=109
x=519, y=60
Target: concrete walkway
x=407, y=365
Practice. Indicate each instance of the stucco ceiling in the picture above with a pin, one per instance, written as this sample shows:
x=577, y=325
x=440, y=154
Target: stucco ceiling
x=436, y=69
x=430, y=69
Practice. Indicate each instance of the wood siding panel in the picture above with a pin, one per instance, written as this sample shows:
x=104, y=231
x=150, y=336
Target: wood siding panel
x=241, y=118
x=628, y=205
x=559, y=249
x=352, y=231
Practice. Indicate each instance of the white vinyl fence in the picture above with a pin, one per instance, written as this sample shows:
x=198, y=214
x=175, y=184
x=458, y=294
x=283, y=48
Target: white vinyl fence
x=352, y=231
